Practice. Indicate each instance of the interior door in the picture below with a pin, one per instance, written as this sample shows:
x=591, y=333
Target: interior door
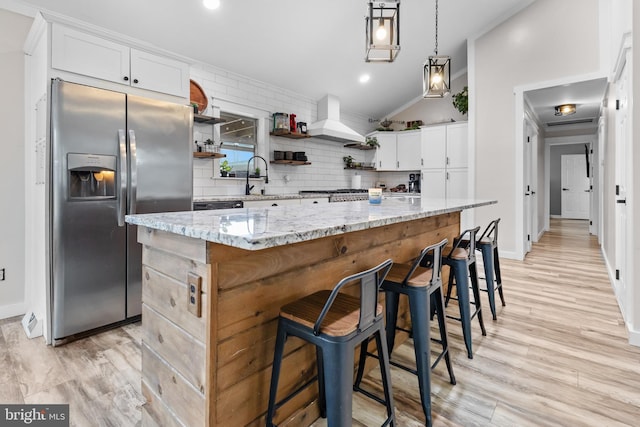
x=575, y=187
x=528, y=204
x=622, y=136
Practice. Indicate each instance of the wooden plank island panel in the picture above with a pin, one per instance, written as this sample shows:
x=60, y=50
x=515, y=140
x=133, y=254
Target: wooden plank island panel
x=244, y=292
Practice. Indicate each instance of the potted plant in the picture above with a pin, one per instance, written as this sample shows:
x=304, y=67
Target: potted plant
x=372, y=141
x=209, y=145
x=461, y=100
x=348, y=160
x=256, y=173
x=225, y=168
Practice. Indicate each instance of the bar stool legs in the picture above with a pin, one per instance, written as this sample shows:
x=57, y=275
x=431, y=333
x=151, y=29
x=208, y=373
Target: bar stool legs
x=421, y=285
x=488, y=246
x=462, y=263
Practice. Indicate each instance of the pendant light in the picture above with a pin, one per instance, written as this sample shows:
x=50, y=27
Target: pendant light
x=436, y=73
x=382, y=31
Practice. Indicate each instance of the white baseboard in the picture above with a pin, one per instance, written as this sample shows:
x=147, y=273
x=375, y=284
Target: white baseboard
x=634, y=337
x=509, y=255
x=555, y=216
x=541, y=233
x=11, y=310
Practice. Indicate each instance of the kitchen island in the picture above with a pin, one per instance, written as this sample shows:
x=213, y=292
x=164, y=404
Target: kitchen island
x=214, y=281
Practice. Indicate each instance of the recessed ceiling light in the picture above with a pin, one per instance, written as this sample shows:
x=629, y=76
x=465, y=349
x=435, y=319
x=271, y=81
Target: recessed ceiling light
x=211, y=4
x=364, y=78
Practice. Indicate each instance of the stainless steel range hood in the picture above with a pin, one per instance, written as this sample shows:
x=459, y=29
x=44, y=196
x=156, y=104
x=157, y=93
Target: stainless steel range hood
x=329, y=126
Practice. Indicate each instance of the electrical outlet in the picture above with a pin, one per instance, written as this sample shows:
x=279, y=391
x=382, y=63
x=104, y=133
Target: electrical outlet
x=194, y=303
x=2, y=274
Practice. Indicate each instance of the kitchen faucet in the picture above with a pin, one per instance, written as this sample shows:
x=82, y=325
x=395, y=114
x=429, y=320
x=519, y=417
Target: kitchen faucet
x=247, y=190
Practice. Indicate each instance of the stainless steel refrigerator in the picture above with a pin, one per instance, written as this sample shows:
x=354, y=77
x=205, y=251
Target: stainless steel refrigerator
x=111, y=154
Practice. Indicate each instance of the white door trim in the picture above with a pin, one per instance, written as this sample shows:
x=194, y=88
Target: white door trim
x=519, y=112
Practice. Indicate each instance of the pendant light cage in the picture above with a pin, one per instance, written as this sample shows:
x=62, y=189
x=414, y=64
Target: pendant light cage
x=382, y=31
x=436, y=72
x=436, y=79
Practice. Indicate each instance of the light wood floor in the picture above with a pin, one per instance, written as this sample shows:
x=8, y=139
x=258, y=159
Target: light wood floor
x=557, y=356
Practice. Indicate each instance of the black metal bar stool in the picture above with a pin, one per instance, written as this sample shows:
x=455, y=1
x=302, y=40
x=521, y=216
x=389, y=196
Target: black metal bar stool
x=488, y=246
x=423, y=286
x=336, y=323
x=462, y=261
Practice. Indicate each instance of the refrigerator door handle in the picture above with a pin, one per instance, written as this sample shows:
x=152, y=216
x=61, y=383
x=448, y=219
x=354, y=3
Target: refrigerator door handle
x=134, y=172
x=122, y=166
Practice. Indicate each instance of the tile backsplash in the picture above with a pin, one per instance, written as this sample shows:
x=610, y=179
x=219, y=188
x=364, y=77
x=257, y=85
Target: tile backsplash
x=326, y=170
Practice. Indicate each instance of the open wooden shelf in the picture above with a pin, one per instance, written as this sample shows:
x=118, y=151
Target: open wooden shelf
x=207, y=120
x=290, y=162
x=207, y=154
x=362, y=168
x=360, y=146
x=289, y=134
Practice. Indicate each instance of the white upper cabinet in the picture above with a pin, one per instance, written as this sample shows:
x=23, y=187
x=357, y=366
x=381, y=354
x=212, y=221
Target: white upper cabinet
x=408, y=150
x=96, y=57
x=398, y=151
x=434, y=151
x=386, y=154
x=457, y=146
x=88, y=55
x=158, y=73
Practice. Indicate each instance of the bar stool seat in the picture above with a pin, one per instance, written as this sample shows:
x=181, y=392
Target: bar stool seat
x=422, y=285
x=341, y=320
x=335, y=323
x=462, y=262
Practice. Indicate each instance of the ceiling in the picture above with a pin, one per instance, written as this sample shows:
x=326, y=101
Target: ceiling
x=310, y=47
x=587, y=96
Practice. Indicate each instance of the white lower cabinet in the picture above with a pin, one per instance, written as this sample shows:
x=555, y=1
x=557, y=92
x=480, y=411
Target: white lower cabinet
x=457, y=184
x=433, y=184
x=444, y=183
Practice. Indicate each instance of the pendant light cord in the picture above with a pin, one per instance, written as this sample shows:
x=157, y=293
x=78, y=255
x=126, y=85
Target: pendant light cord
x=436, y=50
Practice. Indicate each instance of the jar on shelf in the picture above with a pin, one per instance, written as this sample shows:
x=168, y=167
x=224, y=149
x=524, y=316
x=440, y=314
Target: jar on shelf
x=280, y=122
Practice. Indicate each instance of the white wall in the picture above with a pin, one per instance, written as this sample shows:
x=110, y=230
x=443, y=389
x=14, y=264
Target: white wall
x=242, y=95
x=13, y=30
x=433, y=110
x=517, y=52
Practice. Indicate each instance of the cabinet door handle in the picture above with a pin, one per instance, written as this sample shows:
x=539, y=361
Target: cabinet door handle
x=275, y=204
x=398, y=164
x=135, y=80
x=447, y=176
x=421, y=162
x=447, y=161
x=125, y=78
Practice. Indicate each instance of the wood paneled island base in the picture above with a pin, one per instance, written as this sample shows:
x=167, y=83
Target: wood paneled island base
x=215, y=370
x=214, y=282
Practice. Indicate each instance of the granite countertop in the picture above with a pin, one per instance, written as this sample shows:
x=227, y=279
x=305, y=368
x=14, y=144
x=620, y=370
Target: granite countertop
x=259, y=197
x=261, y=228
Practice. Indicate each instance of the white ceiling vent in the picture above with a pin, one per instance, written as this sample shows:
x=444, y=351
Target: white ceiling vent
x=571, y=122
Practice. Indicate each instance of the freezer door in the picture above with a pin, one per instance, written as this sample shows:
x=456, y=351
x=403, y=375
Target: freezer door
x=160, y=174
x=87, y=245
